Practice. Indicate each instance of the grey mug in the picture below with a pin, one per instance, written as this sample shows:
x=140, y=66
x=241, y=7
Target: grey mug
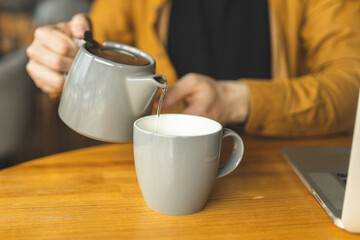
x=177, y=160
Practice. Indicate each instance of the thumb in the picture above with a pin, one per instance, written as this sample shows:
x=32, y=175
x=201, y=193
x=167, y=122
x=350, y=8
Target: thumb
x=79, y=24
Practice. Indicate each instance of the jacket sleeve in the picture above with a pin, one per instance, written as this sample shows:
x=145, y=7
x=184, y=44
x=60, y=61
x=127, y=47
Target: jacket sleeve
x=323, y=101
x=111, y=21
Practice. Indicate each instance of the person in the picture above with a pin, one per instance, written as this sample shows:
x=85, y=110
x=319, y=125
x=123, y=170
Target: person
x=291, y=68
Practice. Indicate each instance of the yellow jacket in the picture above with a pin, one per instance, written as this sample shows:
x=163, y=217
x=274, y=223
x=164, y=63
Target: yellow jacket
x=315, y=48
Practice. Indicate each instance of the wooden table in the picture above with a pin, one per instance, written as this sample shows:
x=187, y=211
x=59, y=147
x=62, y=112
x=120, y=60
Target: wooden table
x=93, y=194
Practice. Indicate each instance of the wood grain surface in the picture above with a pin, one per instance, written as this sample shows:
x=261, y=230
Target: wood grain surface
x=93, y=193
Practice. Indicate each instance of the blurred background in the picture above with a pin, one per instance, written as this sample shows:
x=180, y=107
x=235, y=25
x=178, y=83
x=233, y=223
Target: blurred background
x=29, y=124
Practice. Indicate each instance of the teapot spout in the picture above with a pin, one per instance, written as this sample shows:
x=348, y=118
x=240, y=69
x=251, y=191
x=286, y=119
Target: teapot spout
x=141, y=90
x=160, y=81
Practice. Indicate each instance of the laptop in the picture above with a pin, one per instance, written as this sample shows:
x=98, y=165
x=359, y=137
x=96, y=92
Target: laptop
x=332, y=175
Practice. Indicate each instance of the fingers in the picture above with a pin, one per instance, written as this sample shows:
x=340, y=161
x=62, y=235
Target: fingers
x=46, y=79
x=52, y=52
x=58, y=38
x=54, y=40
x=197, y=108
x=79, y=24
x=48, y=58
x=198, y=91
x=204, y=97
x=48, y=62
x=181, y=90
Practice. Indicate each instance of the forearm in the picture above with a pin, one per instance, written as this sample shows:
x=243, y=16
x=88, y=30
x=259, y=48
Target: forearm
x=314, y=104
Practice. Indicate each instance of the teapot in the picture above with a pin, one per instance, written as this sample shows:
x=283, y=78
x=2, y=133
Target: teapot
x=108, y=87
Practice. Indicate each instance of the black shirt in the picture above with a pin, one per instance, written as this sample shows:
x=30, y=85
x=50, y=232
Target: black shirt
x=224, y=39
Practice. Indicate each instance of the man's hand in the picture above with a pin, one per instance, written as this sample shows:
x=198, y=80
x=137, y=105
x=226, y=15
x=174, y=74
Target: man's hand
x=52, y=52
x=223, y=101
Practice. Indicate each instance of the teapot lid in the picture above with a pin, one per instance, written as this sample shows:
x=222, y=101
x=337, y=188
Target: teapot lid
x=113, y=54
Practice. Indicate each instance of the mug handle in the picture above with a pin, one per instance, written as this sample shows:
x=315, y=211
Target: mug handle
x=236, y=155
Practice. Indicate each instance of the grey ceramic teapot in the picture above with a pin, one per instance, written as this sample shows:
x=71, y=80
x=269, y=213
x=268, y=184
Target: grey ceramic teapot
x=108, y=87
